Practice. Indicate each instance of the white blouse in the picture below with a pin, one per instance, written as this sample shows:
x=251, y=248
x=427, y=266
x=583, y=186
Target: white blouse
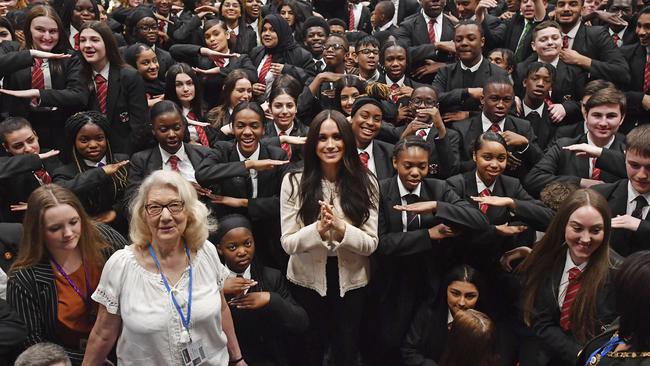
x=151, y=326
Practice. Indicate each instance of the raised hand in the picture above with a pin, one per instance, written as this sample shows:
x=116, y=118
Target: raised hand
x=111, y=169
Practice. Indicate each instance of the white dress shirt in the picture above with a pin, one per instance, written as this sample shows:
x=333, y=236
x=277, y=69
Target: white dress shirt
x=607, y=146
x=528, y=110
x=184, y=164
x=356, y=10
x=480, y=186
x=437, y=26
x=396, y=5
x=632, y=194
x=253, y=172
x=403, y=192
x=619, y=43
x=487, y=123
x=96, y=164
x=473, y=68
x=371, y=157
x=572, y=34
x=564, y=281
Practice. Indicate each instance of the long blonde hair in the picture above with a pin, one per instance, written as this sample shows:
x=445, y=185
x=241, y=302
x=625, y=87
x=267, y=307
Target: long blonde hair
x=32, y=246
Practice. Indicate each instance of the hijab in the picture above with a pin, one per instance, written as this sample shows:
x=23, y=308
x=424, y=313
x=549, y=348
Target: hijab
x=286, y=42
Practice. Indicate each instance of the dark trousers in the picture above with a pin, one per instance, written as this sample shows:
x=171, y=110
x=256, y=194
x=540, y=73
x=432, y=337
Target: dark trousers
x=334, y=322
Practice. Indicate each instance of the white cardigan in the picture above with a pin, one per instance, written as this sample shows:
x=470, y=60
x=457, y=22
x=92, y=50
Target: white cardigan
x=308, y=251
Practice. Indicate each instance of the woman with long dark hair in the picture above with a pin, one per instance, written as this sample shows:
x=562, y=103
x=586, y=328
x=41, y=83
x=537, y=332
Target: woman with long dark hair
x=237, y=88
x=283, y=108
x=292, y=13
x=143, y=58
x=74, y=14
x=113, y=87
x=241, y=39
x=329, y=228
x=568, y=295
x=472, y=341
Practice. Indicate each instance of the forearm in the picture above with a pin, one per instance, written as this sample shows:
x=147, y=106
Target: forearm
x=229, y=329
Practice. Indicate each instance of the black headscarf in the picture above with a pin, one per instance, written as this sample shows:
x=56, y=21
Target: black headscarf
x=230, y=222
x=286, y=41
x=360, y=102
x=137, y=15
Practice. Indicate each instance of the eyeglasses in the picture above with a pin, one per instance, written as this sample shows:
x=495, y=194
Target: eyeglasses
x=155, y=209
x=416, y=102
x=367, y=51
x=335, y=46
x=148, y=28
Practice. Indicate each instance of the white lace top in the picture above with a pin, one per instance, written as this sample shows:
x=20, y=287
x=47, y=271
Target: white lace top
x=151, y=326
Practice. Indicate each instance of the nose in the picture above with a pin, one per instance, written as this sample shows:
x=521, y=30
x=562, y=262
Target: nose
x=67, y=231
x=462, y=302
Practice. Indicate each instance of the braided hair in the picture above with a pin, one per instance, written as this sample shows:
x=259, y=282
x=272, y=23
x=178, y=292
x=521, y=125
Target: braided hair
x=72, y=127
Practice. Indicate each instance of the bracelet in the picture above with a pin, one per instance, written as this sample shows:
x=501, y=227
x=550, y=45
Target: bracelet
x=234, y=362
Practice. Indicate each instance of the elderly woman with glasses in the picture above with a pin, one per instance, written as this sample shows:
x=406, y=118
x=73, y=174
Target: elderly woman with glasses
x=163, y=295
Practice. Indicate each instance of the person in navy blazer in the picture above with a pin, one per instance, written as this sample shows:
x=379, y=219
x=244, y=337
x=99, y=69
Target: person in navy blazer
x=408, y=262
x=561, y=163
x=245, y=178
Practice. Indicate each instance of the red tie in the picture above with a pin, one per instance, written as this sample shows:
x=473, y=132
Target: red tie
x=351, y=17
x=646, y=75
x=43, y=176
x=38, y=80
x=422, y=134
x=595, y=172
x=76, y=42
x=432, y=30
x=219, y=61
x=173, y=161
x=364, y=157
x=565, y=41
x=265, y=69
x=161, y=25
x=285, y=145
x=101, y=88
x=571, y=292
x=393, y=90
x=483, y=206
x=495, y=128
x=615, y=38
x=548, y=102
x=203, y=137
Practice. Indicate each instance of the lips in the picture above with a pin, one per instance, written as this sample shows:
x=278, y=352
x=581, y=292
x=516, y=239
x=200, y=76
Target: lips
x=93, y=153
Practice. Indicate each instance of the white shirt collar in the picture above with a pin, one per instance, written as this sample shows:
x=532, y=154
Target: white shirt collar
x=104, y=71
x=385, y=26
x=473, y=68
x=539, y=109
x=373, y=78
x=607, y=145
x=438, y=19
x=95, y=164
x=632, y=194
x=399, y=82
x=568, y=264
x=611, y=32
x=572, y=33
x=254, y=156
x=554, y=62
x=487, y=123
x=236, y=30
x=246, y=274
x=368, y=149
x=480, y=186
x=73, y=31
x=450, y=318
x=403, y=191
x=287, y=131
x=180, y=154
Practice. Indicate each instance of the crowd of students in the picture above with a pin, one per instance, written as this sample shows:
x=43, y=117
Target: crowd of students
x=297, y=182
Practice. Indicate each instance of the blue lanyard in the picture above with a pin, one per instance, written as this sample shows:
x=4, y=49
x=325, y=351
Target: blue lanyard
x=595, y=357
x=186, y=322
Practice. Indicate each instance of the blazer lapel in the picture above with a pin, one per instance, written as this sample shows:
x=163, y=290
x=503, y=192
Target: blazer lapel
x=618, y=202
x=471, y=189
x=380, y=160
x=155, y=160
x=113, y=90
x=395, y=216
x=582, y=163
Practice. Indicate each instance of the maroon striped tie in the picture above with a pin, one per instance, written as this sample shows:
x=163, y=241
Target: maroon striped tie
x=646, y=75
x=483, y=206
x=350, y=17
x=595, y=172
x=432, y=30
x=571, y=292
x=43, y=176
x=265, y=69
x=364, y=157
x=285, y=145
x=38, y=79
x=101, y=88
x=203, y=137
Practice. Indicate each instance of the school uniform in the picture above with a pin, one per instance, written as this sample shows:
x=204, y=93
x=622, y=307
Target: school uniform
x=568, y=85
x=473, y=127
x=61, y=96
x=297, y=62
x=515, y=36
x=380, y=158
x=12, y=333
x=563, y=165
x=223, y=170
x=621, y=198
x=452, y=81
x=607, y=61
x=212, y=84
x=283, y=318
x=168, y=27
x=32, y=291
x=403, y=9
x=271, y=136
x=383, y=33
x=552, y=345
x=636, y=57
x=426, y=338
x=361, y=18
x=540, y=120
x=126, y=107
x=10, y=237
x=407, y=263
x=22, y=182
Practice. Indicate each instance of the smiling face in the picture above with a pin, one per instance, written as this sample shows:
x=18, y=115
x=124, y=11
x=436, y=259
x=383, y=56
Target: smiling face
x=231, y=9
x=395, y=62
x=314, y=40
x=269, y=37
x=216, y=38
x=348, y=95
x=238, y=249
x=643, y=29
x=21, y=141
x=491, y=161
x=248, y=128
x=83, y=12
x=334, y=51
x=166, y=226
x=168, y=129
x=548, y=44
x=461, y=295
x=242, y=92
x=497, y=100
x=330, y=146
x=603, y=122
x=62, y=228
x=253, y=8
x=527, y=9
x=163, y=7
x=365, y=124
x=412, y=166
x=637, y=167
x=92, y=47
x=288, y=15
x=567, y=12
x=185, y=89
x=469, y=44
x=45, y=33
x=584, y=233
x=466, y=8
x=283, y=109
x=91, y=142
x=147, y=64
x=146, y=31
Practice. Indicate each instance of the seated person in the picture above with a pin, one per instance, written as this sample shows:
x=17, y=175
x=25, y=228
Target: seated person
x=629, y=198
x=498, y=97
x=460, y=85
x=605, y=111
x=26, y=170
x=96, y=175
x=366, y=121
x=263, y=311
